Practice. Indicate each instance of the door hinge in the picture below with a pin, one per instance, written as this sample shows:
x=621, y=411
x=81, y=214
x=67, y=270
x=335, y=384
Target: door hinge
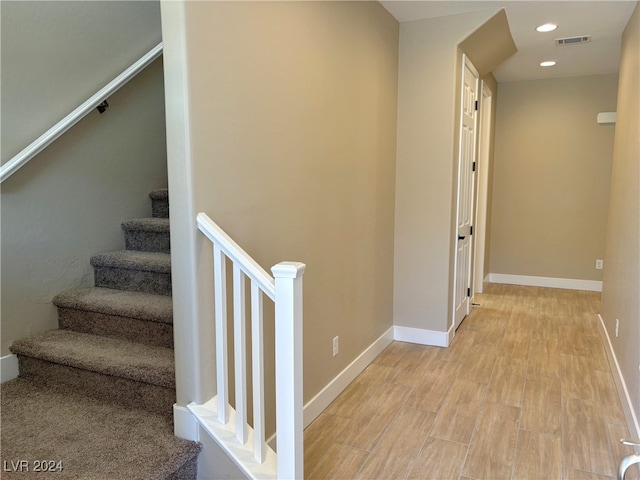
x=476, y=105
x=473, y=167
x=471, y=230
x=468, y=292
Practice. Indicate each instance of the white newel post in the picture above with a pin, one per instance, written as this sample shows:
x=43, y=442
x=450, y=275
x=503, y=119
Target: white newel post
x=288, y=323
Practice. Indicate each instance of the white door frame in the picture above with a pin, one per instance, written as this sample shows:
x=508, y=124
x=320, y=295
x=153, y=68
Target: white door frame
x=482, y=170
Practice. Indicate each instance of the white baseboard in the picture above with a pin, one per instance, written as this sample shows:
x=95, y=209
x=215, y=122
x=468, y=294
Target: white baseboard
x=328, y=394
x=567, y=283
x=185, y=424
x=630, y=414
x=421, y=336
x=8, y=368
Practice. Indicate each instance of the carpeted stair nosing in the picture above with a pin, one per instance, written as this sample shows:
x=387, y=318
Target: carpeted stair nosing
x=159, y=194
x=150, y=224
x=133, y=260
x=101, y=386
x=108, y=356
x=160, y=203
x=148, y=272
x=124, y=328
x=123, y=303
x=147, y=234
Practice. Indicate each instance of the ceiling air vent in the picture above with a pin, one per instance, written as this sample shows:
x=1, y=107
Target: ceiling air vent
x=573, y=40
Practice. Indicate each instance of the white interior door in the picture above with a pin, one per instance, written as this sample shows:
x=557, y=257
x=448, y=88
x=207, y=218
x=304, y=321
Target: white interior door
x=464, y=215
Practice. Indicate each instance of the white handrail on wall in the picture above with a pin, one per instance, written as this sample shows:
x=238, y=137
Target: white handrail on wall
x=229, y=426
x=48, y=137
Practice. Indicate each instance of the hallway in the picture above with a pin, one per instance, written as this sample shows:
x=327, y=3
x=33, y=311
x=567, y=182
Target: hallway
x=524, y=391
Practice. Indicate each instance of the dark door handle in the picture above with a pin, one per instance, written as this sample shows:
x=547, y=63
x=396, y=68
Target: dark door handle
x=461, y=237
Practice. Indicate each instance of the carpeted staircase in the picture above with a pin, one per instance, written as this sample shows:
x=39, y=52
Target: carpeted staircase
x=94, y=398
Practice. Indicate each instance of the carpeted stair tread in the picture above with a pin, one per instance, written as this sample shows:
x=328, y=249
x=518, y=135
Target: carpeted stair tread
x=93, y=439
x=134, y=260
x=143, y=306
x=108, y=356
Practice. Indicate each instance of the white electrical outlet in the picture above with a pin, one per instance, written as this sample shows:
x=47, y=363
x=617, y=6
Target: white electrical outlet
x=617, y=326
x=599, y=264
x=336, y=346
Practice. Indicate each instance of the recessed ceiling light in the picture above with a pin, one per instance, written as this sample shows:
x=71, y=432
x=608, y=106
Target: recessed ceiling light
x=547, y=27
x=548, y=63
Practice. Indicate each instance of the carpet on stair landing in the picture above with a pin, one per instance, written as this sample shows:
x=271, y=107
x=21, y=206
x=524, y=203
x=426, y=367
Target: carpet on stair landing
x=124, y=443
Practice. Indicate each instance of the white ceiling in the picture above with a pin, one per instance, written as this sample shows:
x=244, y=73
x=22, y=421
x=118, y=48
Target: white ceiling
x=603, y=20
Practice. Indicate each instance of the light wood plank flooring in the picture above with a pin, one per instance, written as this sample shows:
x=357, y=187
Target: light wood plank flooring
x=525, y=391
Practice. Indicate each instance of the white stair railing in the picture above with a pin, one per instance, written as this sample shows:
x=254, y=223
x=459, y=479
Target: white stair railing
x=247, y=445
x=51, y=135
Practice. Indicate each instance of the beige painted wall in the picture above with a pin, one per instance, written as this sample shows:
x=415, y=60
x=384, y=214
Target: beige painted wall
x=292, y=114
x=551, y=177
x=425, y=168
x=55, y=55
x=67, y=203
x=622, y=272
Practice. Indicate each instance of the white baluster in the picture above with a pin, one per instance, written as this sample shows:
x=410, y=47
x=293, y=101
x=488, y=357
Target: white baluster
x=240, y=354
x=220, y=292
x=257, y=363
x=289, y=421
